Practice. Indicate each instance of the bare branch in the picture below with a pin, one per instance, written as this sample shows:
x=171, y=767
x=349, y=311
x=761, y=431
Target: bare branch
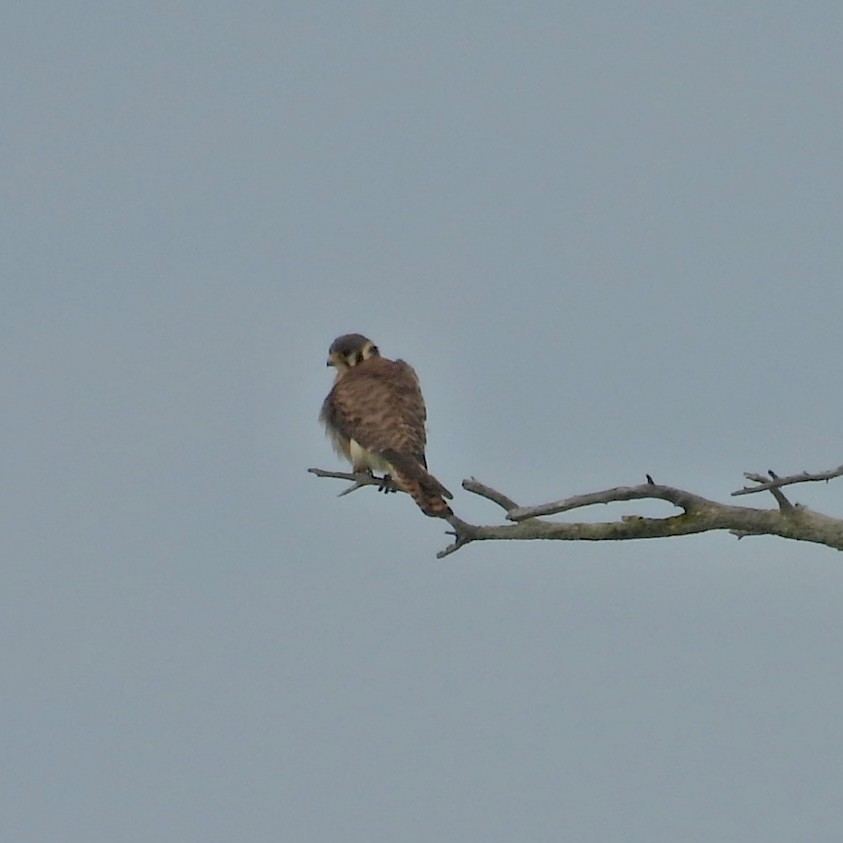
x=478, y=488
x=698, y=514
x=463, y=534
x=784, y=504
x=776, y=482
x=340, y=475
x=678, y=497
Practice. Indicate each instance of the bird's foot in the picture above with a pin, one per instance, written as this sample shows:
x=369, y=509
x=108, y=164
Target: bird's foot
x=386, y=485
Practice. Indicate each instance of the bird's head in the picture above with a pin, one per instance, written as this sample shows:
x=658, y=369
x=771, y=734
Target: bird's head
x=349, y=350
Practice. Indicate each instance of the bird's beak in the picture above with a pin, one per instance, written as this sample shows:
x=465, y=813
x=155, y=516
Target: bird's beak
x=329, y=362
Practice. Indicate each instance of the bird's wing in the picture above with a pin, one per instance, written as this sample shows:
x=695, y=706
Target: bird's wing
x=379, y=404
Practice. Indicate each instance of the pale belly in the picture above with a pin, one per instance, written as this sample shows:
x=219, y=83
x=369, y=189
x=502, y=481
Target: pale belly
x=362, y=459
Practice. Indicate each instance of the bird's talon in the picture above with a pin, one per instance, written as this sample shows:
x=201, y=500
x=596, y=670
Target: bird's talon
x=386, y=484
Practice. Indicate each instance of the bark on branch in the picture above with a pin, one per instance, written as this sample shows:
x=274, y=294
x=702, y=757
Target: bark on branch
x=698, y=514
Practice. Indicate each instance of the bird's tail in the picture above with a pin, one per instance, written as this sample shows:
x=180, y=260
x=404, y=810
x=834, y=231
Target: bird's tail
x=428, y=493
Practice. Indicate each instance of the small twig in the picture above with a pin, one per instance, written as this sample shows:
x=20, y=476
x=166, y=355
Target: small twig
x=358, y=479
x=463, y=534
x=784, y=504
x=776, y=482
x=338, y=475
x=478, y=488
x=353, y=488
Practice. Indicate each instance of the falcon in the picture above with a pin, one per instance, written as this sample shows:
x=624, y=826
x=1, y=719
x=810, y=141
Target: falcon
x=375, y=417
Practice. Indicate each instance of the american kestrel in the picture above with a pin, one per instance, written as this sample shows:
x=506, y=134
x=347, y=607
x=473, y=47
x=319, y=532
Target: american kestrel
x=375, y=417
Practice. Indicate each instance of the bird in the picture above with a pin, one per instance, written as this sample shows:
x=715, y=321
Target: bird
x=375, y=417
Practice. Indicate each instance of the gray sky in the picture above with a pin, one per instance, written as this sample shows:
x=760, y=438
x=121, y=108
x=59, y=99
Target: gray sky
x=607, y=236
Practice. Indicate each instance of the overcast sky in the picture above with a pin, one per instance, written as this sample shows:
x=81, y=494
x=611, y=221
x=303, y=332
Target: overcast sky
x=608, y=238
